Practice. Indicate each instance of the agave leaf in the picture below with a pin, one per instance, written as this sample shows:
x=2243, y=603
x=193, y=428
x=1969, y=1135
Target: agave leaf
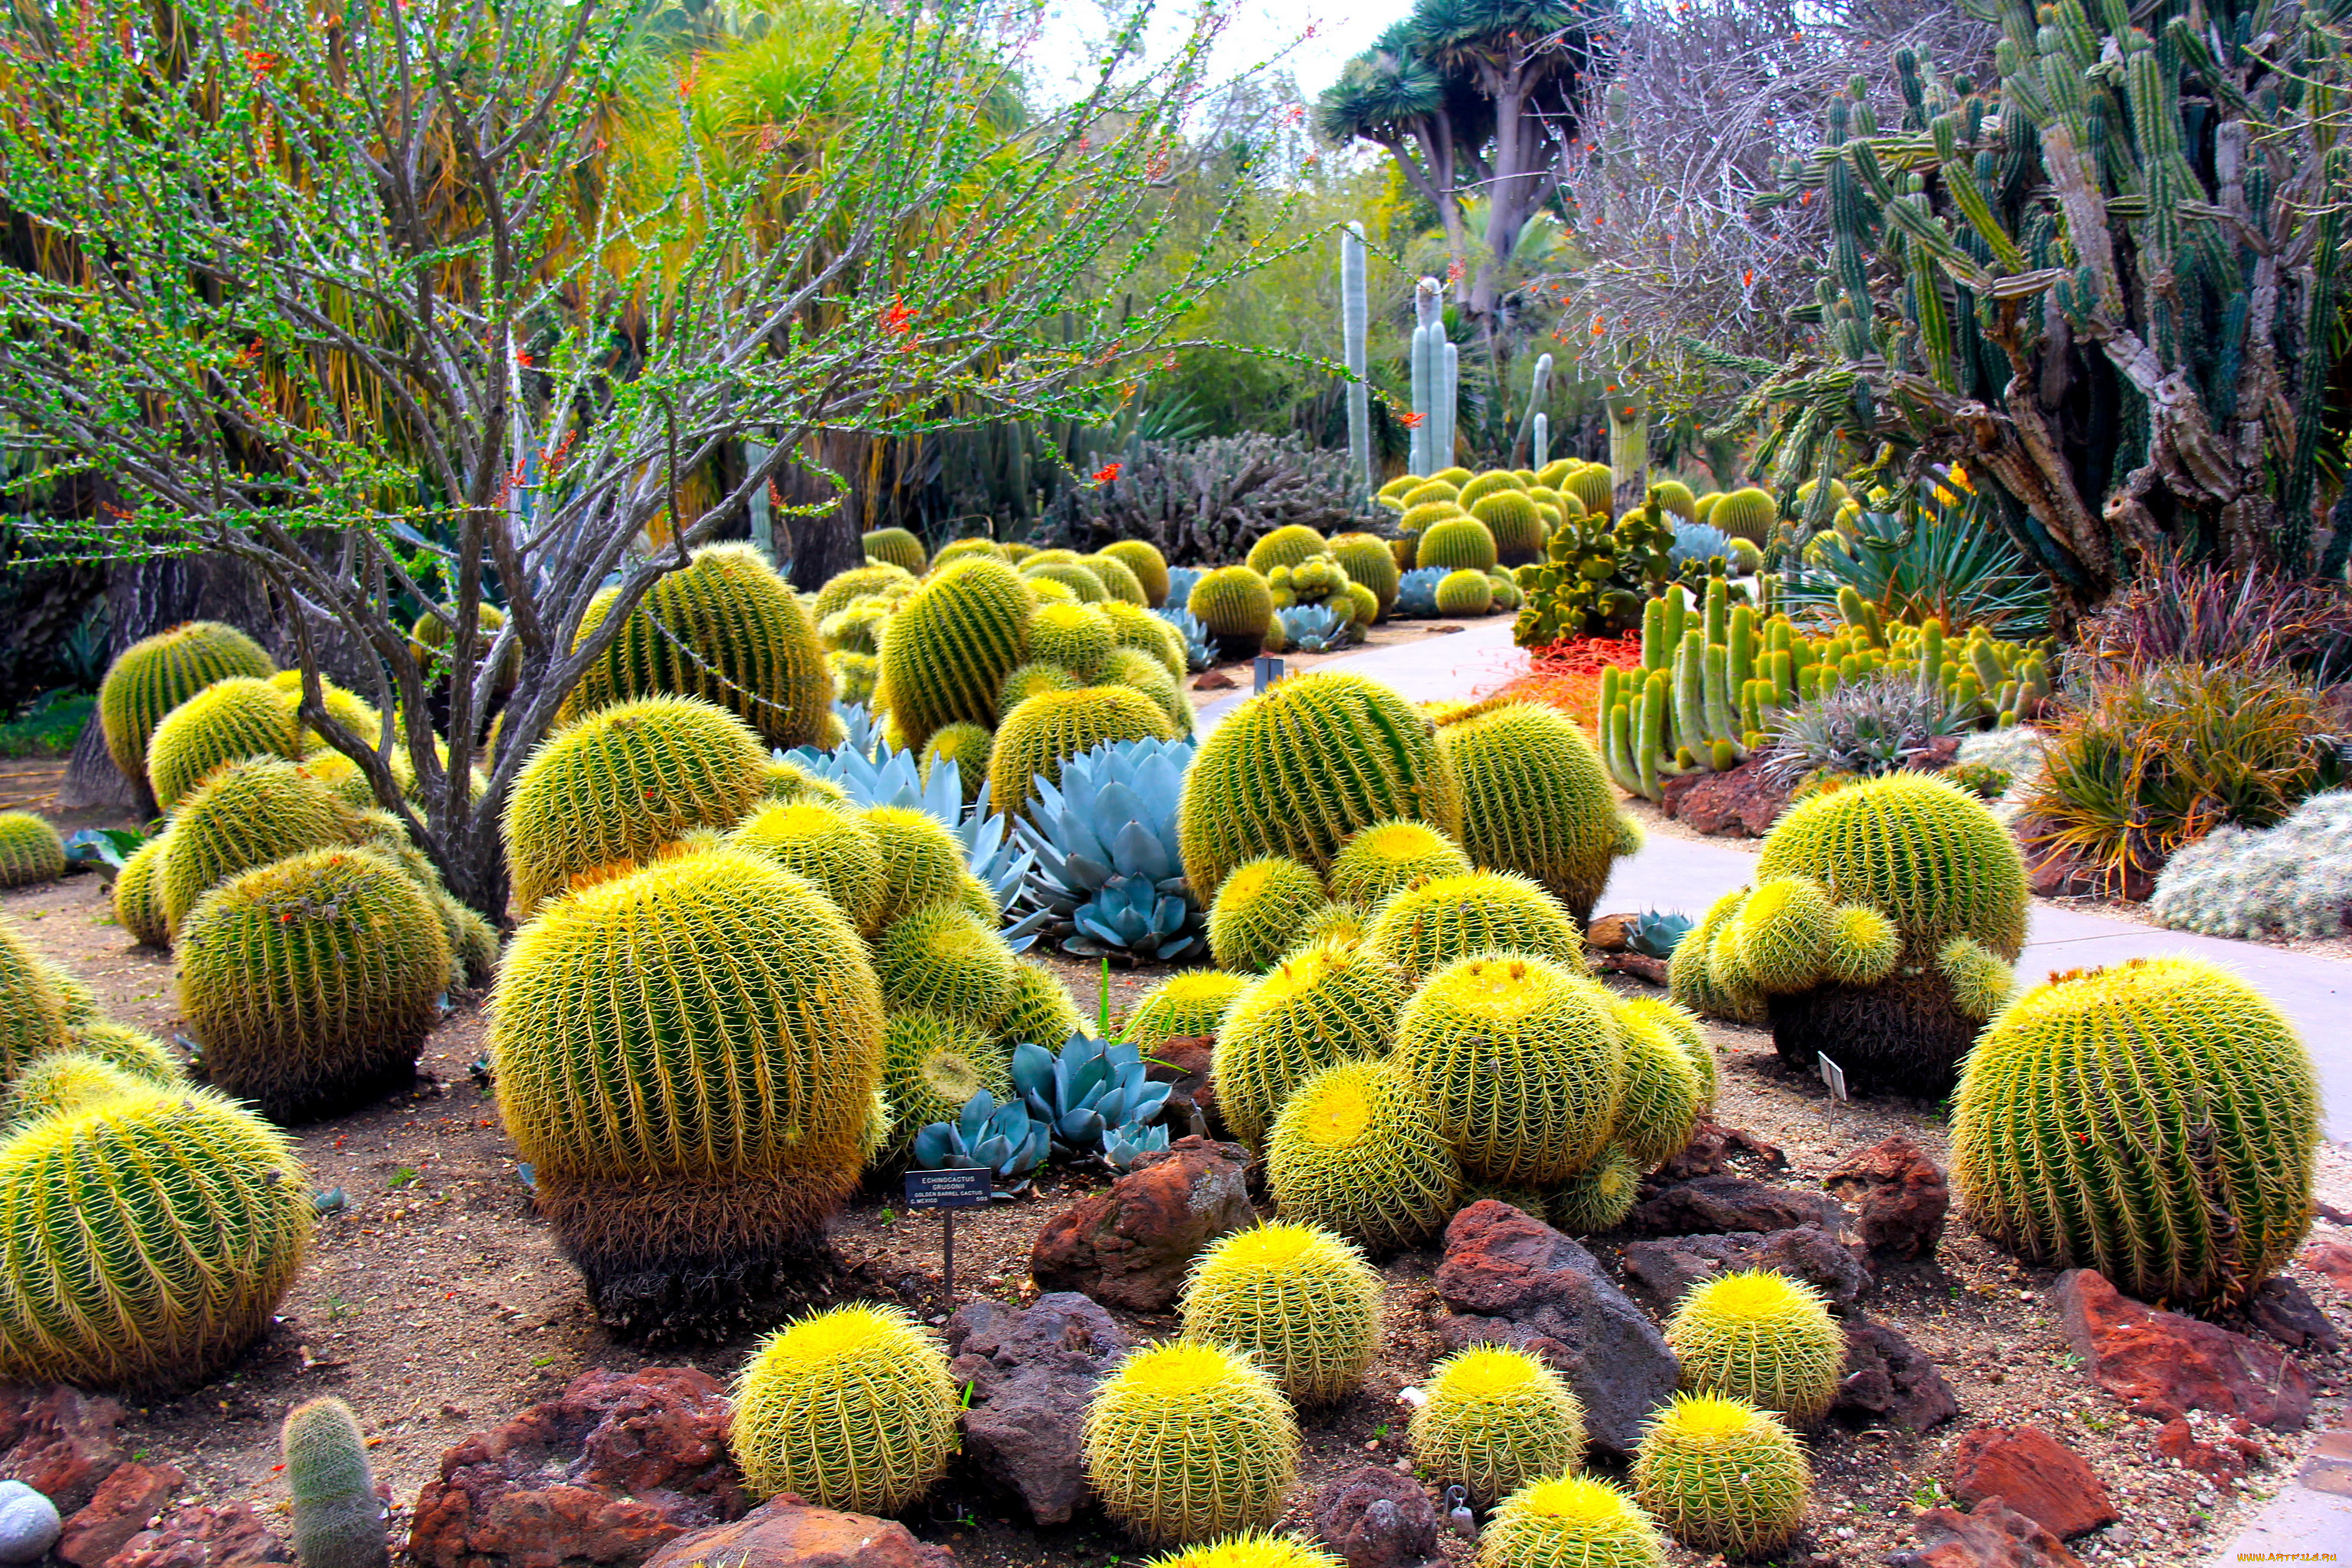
x=932, y=1146
x=1033, y=1069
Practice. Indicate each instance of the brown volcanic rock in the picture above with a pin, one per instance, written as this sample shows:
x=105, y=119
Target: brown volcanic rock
x=1132, y=1245
x=2165, y=1365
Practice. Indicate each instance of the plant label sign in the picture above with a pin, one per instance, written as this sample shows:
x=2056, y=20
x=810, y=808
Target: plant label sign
x=1833, y=1080
x=948, y=1190
x=1268, y=671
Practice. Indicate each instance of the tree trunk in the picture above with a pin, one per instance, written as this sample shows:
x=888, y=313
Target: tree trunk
x=822, y=545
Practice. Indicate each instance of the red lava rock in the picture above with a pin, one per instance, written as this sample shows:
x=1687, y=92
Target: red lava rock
x=59, y=1441
x=2034, y=1473
x=1742, y=804
x=1993, y=1536
x=1712, y=1149
x=1031, y=1375
x=229, y=1536
x=2225, y=1461
x=608, y=1472
x=1131, y=1247
x=2164, y=1364
x=1713, y=1205
x=1214, y=681
x=1639, y=965
x=2331, y=1259
x=1890, y=1380
x=1374, y=1518
x=127, y=1502
x=1188, y=1062
x=1610, y=933
x=1902, y=1196
x=785, y=1532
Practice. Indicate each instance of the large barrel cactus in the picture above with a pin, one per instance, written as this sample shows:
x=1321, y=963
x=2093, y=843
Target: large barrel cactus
x=686, y=1055
x=1424, y=928
x=144, y=1240
x=311, y=983
x=33, y=1007
x=1330, y=1002
x=952, y=644
x=156, y=674
x=726, y=629
x=1300, y=1299
x=2158, y=1122
x=1047, y=730
x=227, y=721
x=1535, y=800
x=830, y=845
x=246, y=815
x=1295, y=770
x=623, y=783
x=1356, y=1151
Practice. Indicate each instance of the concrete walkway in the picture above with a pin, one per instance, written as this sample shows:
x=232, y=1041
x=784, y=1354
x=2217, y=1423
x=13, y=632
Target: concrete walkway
x=1676, y=874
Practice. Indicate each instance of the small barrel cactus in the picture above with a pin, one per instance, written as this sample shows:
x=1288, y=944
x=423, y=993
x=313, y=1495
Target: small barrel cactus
x=922, y=863
x=137, y=901
x=948, y=961
x=338, y=1518
x=1284, y=546
x=1077, y=638
x=1447, y=919
x=1536, y=800
x=1390, y=857
x=1762, y=1337
x=896, y=547
x=140, y=1055
x=30, y=850
x=1495, y=1418
x=829, y=846
x=932, y=1066
x=1722, y=1476
x=1464, y=592
x=851, y=1408
x=1191, y=1001
x=1570, y=1521
x=1458, y=543
x=1598, y=1197
x=1259, y=912
x=156, y=674
x=1047, y=730
x=1328, y=1002
x=1664, y=1089
x=32, y=1009
x=1356, y=1151
x=1189, y=1441
x=952, y=644
x=1300, y=1299
x=246, y=814
x=1042, y=1011
x=65, y=1080
x=227, y=721
x=1141, y=557
x=1256, y=1549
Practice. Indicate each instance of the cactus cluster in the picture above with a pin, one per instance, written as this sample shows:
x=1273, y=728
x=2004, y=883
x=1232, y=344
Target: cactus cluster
x=1493, y=1419
x=244, y=816
x=1301, y=1301
x=851, y=1408
x=155, y=675
x=1188, y=1441
x=1422, y=930
x=1329, y=1002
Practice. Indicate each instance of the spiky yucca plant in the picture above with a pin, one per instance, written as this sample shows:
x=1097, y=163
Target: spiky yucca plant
x=144, y=1241
x=1522, y=1063
x=834, y=848
x=1391, y=856
x=1299, y=1300
x=1447, y=919
x=2158, y=1122
x=1760, y=1336
x=1188, y=1441
x=1570, y=1521
x=1497, y=1418
x=1260, y=911
x=851, y=1408
x=1328, y=1002
x=156, y=674
x=1535, y=800
x=311, y=983
x=622, y=782
x=30, y=850
x=1722, y=1476
x=227, y=721
x=1356, y=1150
x=686, y=1055
x=952, y=644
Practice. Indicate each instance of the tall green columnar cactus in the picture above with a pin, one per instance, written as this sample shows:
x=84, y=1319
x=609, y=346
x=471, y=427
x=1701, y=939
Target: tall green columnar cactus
x=1428, y=335
x=338, y=1518
x=1355, y=313
x=2108, y=283
x=1534, y=433
x=1449, y=401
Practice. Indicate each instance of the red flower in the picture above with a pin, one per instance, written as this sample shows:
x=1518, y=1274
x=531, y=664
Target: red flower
x=262, y=62
x=1415, y=420
x=1106, y=473
x=1454, y=270
x=897, y=318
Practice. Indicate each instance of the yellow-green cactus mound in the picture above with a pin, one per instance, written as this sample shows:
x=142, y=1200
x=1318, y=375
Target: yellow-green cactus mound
x=137, y=901
x=1783, y=934
x=833, y=847
x=311, y=983
x=945, y=959
x=1664, y=1088
x=1447, y=919
x=246, y=814
x=921, y=863
x=1722, y=1476
x=1141, y=630
x=1233, y=602
x=346, y=707
x=1591, y=485
x=965, y=745
x=1514, y=524
x=1078, y=637
x=1423, y=515
x=851, y=1408
x=30, y=850
x=1136, y=669
x=1680, y=1024
x=1259, y=912
x=1749, y=514
x=1496, y=1417
x=1762, y=1337
x=1033, y=678
x=1150, y=568
x=1570, y=1521
x=1048, y=730
x=1457, y=544
x=686, y=1055
x=1479, y=488
x=1369, y=564
x=1692, y=982
x=156, y=674
x=1536, y=800
x=1284, y=546
x=882, y=581
x=144, y=1240
x=1523, y=1064
x=959, y=549
x=1924, y=852
x=1186, y=1004
x=1981, y=983
x=898, y=547
x=2158, y=1122
x=1121, y=586
x=128, y=1050
x=1042, y=1012
x=952, y=644
x=931, y=1066
x=227, y=721
x=621, y=783
x=1187, y=1441
x=1256, y=1549
x=1464, y=592
x=32, y=1009
x=1599, y=1197
x=1301, y=1302
x=1297, y=770
x=725, y=630
x=1356, y=1151
x=1328, y=1002
x=1391, y=856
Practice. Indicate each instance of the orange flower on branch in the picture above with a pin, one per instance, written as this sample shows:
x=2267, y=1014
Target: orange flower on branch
x=1106, y=473
x=897, y=318
x=1414, y=420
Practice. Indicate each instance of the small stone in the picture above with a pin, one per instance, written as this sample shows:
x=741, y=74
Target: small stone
x=2329, y=1259
x=2225, y=1459
x=1374, y=1518
x=29, y=1525
x=1712, y=1205
x=123, y=1504
x=1888, y=1379
x=1031, y=1373
x=1993, y=1536
x=1742, y=804
x=1214, y=681
x=1133, y=1246
x=1902, y=1196
x=1712, y=1149
x=1610, y=933
x=2281, y=1309
x=2163, y=1365
x=2034, y=1473
x=784, y=1532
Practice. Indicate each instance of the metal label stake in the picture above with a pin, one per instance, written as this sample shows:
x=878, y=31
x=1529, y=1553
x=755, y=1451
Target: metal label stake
x=1833, y=1079
x=948, y=1190
x=1268, y=671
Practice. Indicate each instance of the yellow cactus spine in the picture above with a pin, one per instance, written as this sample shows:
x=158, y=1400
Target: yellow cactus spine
x=1598, y=1197
x=1356, y=1151
x=1188, y=1441
x=157, y=674
x=1302, y=1301
x=1235, y=604
x=1570, y=1521
x=946, y=959
x=921, y=863
x=227, y=721
x=1047, y=730
x=1259, y=912
x=1391, y=857
x=1284, y=546
x=1078, y=637
x=1722, y=1476
x=831, y=848
x=1189, y=1003
x=1663, y=1087
x=851, y=1408
x=1256, y=1549
x=1150, y=568
x=246, y=814
x=138, y=902
x=1457, y=544
x=32, y=1007
x=1762, y=1337
x=1496, y=1418
x=897, y=548
x=66, y=1081
x=1328, y=1002
x=1447, y=919
x=30, y=850
x=952, y=644
x=1536, y=800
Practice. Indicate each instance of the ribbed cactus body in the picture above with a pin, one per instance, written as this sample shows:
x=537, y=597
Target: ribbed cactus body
x=1301, y=1302
x=952, y=644
x=1328, y=1002
x=1590, y=483
x=1522, y=1063
x=1254, y=1549
x=1035, y=679
x=1370, y=564
x=246, y=814
x=1980, y=982
x=1465, y=591
x=311, y=983
x=945, y=959
x=1078, y=637
x=1762, y=1337
x=121, y=1047
x=1925, y=853
x=1080, y=581
x=834, y=848
x=1188, y=1441
x=1047, y=730
x=1297, y=770
x=1150, y=568
x=32, y=1009
x=1455, y=544
x=1691, y=979
x=346, y=707
x=66, y=1081
x=2157, y=1121
x=30, y=850
x=1783, y=934
x=1391, y=856
x=623, y=781
x=1570, y=1521
x=1042, y=1012
x=1496, y=1418
x=1285, y=546
x=138, y=901
x=156, y=674
x=1722, y=1476
x=851, y=1408
x=1665, y=1087
x=688, y=1055
x=338, y=1518
x=1233, y=602
x=1536, y=800
x=931, y=1065
x=1356, y=1150
x=1514, y=524
x=1749, y=514
x=726, y=629
x=1598, y=1197
x=1424, y=515
x=144, y=1241
x=227, y=721
x=898, y=547
x=1190, y=1002
x=922, y=864
x=1120, y=585
x=1261, y=911
x=1146, y=633
x=1446, y=919
x=844, y=588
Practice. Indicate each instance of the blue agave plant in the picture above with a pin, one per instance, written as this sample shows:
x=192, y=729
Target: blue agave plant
x=1656, y=934
x=1198, y=654
x=1182, y=580
x=998, y=1136
x=1312, y=628
x=1094, y=1096
x=1696, y=541
x=1108, y=877
x=1416, y=597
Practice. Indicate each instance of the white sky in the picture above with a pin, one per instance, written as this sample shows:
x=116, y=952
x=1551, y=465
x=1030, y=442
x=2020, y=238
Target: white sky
x=1273, y=31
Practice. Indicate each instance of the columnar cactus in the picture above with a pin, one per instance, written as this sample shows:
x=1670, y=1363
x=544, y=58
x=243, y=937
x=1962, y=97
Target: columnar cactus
x=1496, y=1417
x=1299, y=1300
x=338, y=1518
x=1328, y=1002
x=1188, y=1441
x=1760, y=1336
x=1354, y=315
x=851, y=1408
x=156, y=674
x=1356, y=1150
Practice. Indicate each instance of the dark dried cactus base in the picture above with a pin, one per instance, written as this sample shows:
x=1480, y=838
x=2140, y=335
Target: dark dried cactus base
x=1903, y=1035
x=291, y=1101
x=1240, y=647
